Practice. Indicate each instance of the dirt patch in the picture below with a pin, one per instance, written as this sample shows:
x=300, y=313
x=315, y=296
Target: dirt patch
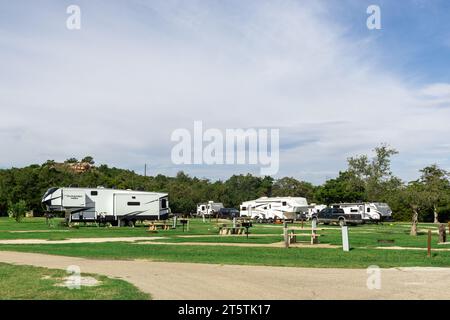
x=79, y=240
x=411, y=248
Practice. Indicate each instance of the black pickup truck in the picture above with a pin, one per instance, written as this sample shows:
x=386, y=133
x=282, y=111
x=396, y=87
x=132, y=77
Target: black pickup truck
x=337, y=215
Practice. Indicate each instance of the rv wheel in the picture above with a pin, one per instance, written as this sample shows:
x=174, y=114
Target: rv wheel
x=131, y=223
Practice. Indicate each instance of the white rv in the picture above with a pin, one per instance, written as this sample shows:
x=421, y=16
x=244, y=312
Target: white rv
x=209, y=208
x=274, y=208
x=119, y=207
x=370, y=211
x=314, y=209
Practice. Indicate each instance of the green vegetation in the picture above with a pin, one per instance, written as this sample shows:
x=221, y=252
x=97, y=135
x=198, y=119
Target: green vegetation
x=292, y=257
x=29, y=283
x=17, y=210
x=364, y=241
x=365, y=179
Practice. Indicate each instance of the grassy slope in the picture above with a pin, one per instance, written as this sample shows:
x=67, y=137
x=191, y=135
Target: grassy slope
x=30, y=283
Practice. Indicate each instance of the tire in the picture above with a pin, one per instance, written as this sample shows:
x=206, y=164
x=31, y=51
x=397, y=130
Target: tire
x=130, y=223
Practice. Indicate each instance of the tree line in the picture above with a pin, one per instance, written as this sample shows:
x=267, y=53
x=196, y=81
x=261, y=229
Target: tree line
x=365, y=179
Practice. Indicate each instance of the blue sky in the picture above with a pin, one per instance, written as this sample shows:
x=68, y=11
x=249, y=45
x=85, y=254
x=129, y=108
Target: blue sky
x=138, y=70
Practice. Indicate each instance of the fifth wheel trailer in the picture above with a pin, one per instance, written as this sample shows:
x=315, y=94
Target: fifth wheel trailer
x=272, y=208
x=119, y=207
x=370, y=211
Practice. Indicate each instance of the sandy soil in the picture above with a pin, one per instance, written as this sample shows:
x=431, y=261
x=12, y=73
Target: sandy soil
x=237, y=244
x=165, y=280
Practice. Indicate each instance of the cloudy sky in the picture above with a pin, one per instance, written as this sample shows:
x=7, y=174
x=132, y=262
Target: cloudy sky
x=137, y=70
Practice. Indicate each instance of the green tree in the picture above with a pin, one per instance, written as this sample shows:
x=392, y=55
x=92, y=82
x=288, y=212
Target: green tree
x=289, y=186
x=17, y=210
x=345, y=188
x=88, y=159
x=437, y=186
x=375, y=173
x=71, y=160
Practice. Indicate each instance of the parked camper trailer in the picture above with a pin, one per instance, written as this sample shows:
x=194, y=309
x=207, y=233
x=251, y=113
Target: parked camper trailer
x=110, y=205
x=370, y=211
x=209, y=208
x=274, y=208
x=314, y=209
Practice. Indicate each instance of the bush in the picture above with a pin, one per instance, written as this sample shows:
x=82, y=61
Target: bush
x=17, y=210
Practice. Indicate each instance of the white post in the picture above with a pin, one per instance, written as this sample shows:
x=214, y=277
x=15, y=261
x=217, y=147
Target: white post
x=234, y=222
x=204, y=219
x=345, y=243
x=174, y=222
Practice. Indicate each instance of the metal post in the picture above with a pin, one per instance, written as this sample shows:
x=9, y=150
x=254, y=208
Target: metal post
x=429, y=243
x=174, y=222
x=286, y=236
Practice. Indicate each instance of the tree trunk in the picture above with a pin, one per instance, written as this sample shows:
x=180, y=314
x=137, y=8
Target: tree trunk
x=414, y=223
x=436, y=220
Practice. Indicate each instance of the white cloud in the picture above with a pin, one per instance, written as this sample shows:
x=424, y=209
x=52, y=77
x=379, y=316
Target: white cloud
x=134, y=73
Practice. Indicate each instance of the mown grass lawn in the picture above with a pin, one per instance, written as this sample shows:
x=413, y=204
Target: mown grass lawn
x=35, y=283
x=363, y=240
x=294, y=257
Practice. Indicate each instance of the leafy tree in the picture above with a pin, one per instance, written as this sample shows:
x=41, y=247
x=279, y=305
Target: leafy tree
x=88, y=159
x=289, y=186
x=345, y=188
x=417, y=198
x=375, y=173
x=436, y=183
x=17, y=210
x=71, y=160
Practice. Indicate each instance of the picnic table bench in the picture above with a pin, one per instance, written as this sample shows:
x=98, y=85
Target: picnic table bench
x=231, y=230
x=155, y=226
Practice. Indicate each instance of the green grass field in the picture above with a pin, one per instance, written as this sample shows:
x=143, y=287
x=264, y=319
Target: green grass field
x=363, y=240
x=30, y=283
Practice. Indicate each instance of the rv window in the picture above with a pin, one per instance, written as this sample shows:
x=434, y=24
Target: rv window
x=368, y=209
x=163, y=203
x=244, y=208
x=94, y=193
x=134, y=203
x=283, y=203
x=354, y=210
x=133, y=197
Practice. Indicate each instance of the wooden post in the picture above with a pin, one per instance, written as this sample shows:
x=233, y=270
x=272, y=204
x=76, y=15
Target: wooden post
x=442, y=234
x=314, y=239
x=429, y=243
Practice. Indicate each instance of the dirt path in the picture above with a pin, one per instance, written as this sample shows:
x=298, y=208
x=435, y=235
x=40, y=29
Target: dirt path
x=79, y=240
x=164, y=280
